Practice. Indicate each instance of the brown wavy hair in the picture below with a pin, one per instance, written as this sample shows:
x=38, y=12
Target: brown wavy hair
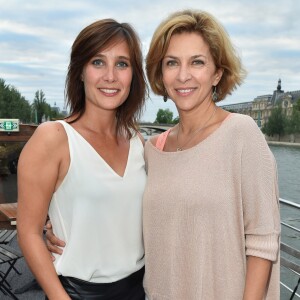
x=92, y=39
x=213, y=33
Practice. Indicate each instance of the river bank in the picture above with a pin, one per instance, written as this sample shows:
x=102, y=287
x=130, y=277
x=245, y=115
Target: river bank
x=288, y=144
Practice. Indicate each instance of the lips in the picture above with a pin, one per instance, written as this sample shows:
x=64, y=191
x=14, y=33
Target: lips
x=185, y=91
x=109, y=92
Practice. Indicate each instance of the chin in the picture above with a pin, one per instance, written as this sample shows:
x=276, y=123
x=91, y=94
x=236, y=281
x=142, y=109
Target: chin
x=185, y=106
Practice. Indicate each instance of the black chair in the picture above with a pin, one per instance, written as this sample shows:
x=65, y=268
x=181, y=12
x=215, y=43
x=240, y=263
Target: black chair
x=5, y=238
x=7, y=235
x=291, y=264
x=8, y=256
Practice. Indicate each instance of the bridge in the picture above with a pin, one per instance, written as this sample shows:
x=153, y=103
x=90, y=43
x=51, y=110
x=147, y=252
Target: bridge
x=150, y=129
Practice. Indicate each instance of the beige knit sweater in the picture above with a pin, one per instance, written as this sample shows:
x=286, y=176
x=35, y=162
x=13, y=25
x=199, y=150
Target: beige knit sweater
x=205, y=209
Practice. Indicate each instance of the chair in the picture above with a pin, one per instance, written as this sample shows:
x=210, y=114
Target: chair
x=7, y=235
x=291, y=264
x=9, y=256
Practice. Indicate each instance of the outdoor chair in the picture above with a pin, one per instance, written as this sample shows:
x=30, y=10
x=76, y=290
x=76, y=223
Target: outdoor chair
x=291, y=264
x=7, y=235
x=8, y=256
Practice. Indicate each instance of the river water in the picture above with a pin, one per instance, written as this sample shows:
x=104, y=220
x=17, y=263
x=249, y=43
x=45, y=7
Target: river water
x=288, y=164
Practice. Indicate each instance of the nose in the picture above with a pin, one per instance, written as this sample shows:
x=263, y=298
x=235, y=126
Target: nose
x=184, y=73
x=110, y=74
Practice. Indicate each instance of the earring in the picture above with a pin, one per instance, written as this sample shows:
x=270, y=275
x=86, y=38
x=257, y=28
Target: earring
x=215, y=94
x=165, y=97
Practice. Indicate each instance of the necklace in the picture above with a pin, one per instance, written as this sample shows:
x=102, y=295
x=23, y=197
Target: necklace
x=180, y=148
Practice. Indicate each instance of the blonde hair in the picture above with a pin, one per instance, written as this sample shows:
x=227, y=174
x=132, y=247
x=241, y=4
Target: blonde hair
x=213, y=33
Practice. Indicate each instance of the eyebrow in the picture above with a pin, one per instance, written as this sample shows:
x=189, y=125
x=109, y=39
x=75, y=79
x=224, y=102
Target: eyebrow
x=192, y=57
x=118, y=57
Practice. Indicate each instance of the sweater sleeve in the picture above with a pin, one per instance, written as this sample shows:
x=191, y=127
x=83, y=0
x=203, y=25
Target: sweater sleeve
x=259, y=194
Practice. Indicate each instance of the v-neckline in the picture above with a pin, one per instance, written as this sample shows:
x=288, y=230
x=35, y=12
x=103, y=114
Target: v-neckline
x=109, y=167
x=210, y=136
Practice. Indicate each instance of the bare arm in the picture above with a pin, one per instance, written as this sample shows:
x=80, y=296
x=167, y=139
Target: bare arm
x=257, y=277
x=38, y=173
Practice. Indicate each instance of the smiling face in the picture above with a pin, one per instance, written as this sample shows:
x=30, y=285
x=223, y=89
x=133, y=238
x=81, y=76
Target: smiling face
x=189, y=72
x=107, y=77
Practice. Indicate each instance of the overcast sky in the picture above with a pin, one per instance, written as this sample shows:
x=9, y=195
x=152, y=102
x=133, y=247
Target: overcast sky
x=36, y=36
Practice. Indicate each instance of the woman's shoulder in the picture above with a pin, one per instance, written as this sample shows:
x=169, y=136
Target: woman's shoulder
x=159, y=140
x=50, y=126
x=243, y=122
x=248, y=132
x=153, y=139
x=49, y=133
x=48, y=142
x=242, y=119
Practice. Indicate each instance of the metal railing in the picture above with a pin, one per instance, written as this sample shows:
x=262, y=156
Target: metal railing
x=290, y=256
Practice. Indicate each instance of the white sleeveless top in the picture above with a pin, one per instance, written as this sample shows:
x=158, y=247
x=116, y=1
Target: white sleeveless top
x=99, y=213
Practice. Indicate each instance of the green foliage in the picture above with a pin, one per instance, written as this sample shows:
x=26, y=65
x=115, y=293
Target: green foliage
x=296, y=106
x=15, y=106
x=40, y=106
x=276, y=123
x=12, y=104
x=176, y=120
x=293, y=122
x=164, y=116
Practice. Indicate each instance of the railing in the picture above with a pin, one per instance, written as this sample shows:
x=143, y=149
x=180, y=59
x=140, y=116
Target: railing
x=290, y=254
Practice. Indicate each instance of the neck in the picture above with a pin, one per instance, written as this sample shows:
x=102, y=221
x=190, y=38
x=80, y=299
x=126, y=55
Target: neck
x=99, y=121
x=191, y=121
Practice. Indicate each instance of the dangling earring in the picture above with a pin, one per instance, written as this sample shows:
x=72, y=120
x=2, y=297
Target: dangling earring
x=165, y=97
x=215, y=94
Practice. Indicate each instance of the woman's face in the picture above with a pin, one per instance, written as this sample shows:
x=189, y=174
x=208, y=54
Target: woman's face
x=189, y=71
x=107, y=77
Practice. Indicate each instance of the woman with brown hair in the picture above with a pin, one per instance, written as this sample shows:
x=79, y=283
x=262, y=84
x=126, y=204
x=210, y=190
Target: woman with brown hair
x=87, y=172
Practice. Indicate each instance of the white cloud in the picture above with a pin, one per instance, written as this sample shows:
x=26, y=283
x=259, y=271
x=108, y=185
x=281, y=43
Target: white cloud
x=35, y=40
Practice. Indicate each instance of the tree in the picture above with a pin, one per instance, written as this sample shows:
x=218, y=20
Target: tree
x=164, y=116
x=12, y=104
x=40, y=106
x=176, y=120
x=293, y=123
x=296, y=106
x=276, y=123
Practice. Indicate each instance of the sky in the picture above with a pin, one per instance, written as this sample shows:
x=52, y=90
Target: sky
x=36, y=37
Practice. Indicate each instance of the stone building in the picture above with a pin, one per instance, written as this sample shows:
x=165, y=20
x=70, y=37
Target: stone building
x=260, y=108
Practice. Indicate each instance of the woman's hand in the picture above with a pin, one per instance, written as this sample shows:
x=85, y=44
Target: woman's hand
x=53, y=243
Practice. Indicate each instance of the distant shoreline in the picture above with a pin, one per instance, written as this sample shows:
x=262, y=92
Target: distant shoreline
x=275, y=143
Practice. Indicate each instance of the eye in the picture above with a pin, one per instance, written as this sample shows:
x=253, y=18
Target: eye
x=122, y=64
x=198, y=62
x=97, y=62
x=171, y=63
